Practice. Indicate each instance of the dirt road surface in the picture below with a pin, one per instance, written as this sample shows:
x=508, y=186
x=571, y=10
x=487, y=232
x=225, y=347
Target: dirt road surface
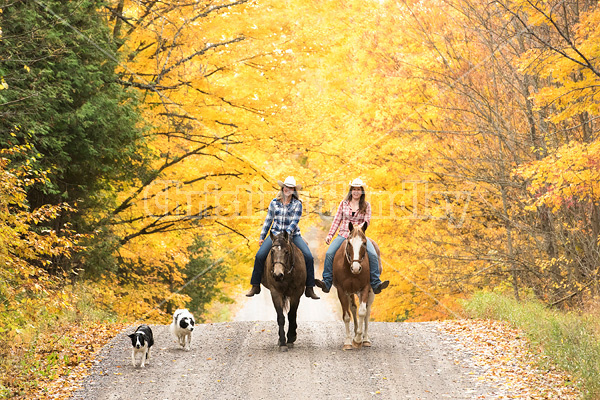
x=241, y=360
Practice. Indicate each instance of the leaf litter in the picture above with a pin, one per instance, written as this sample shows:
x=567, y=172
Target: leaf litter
x=509, y=361
x=502, y=352
x=84, y=345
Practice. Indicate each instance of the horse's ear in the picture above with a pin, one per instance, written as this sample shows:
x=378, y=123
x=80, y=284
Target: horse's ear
x=286, y=236
x=271, y=236
x=350, y=226
x=364, y=226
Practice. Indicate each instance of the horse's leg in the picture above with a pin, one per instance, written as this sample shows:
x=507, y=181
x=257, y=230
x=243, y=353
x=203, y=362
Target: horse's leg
x=281, y=324
x=366, y=339
x=278, y=303
x=353, y=309
x=362, y=312
x=345, y=303
x=292, y=325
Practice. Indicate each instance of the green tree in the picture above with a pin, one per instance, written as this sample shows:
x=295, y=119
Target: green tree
x=61, y=95
x=203, y=276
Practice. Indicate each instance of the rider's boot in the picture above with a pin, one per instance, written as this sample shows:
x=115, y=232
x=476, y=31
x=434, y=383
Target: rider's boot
x=321, y=285
x=255, y=290
x=377, y=289
x=310, y=292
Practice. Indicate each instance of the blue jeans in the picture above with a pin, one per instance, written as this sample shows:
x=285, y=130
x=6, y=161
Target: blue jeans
x=263, y=252
x=330, y=254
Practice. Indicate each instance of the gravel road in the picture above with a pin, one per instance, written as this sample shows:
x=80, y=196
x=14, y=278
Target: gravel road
x=241, y=360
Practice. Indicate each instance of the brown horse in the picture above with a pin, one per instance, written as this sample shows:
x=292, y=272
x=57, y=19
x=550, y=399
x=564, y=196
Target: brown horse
x=351, y=276
x=285, y=276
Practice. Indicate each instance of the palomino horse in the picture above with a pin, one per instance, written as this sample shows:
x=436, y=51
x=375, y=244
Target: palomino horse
x=351, y=276
x=285, y=276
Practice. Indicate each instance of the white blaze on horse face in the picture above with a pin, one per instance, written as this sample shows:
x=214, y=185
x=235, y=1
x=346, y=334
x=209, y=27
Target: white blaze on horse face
x=356, y=242
x=278, y=260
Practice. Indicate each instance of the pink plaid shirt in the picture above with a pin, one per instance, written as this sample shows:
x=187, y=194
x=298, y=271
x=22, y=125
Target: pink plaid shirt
x=344, y=216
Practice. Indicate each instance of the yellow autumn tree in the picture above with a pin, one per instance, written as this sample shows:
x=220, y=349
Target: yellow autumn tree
x=440, y=107
x=218, y=80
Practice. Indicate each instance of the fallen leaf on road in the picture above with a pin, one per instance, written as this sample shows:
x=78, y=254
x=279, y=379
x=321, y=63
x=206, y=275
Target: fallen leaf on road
x=510, y=364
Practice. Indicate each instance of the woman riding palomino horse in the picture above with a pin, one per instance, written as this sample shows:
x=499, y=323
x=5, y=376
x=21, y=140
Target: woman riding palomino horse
x=354, y=208
x=283, y=215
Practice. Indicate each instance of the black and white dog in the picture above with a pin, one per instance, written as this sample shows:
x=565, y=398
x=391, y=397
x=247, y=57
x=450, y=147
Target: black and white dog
x=182, y=327
x=141, y=340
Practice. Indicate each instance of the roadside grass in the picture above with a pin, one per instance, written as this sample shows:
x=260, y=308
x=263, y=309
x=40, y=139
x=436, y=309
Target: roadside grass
x=571, y=340
x=51, y=345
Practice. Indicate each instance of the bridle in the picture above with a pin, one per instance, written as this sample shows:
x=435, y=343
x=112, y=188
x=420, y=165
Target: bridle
x=351, y=259
x=290, y=259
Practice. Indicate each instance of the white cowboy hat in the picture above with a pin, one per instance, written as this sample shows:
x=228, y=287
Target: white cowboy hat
x=290, y=182
x=357, y=183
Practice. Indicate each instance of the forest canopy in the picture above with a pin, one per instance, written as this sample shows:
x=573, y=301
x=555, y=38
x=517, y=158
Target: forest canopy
x=142, y=142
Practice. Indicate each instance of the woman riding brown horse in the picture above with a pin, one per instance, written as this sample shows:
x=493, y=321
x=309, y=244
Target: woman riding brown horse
x=356, y=210
x=283, y=215
x=351, y=276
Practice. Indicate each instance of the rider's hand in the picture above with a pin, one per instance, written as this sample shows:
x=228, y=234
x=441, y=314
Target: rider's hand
x=328, y=240
x=260, y=242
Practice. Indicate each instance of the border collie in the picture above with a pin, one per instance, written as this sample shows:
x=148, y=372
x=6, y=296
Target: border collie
x=141, y=341
x=182, y=327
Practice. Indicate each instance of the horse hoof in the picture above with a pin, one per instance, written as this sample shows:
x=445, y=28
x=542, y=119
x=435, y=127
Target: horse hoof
x=347, y=347
x=283, y=348
x=290, y=345
x=366, y=343
x=356, y=345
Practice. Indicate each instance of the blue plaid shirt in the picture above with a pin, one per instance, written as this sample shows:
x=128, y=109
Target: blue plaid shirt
x=282, y=217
